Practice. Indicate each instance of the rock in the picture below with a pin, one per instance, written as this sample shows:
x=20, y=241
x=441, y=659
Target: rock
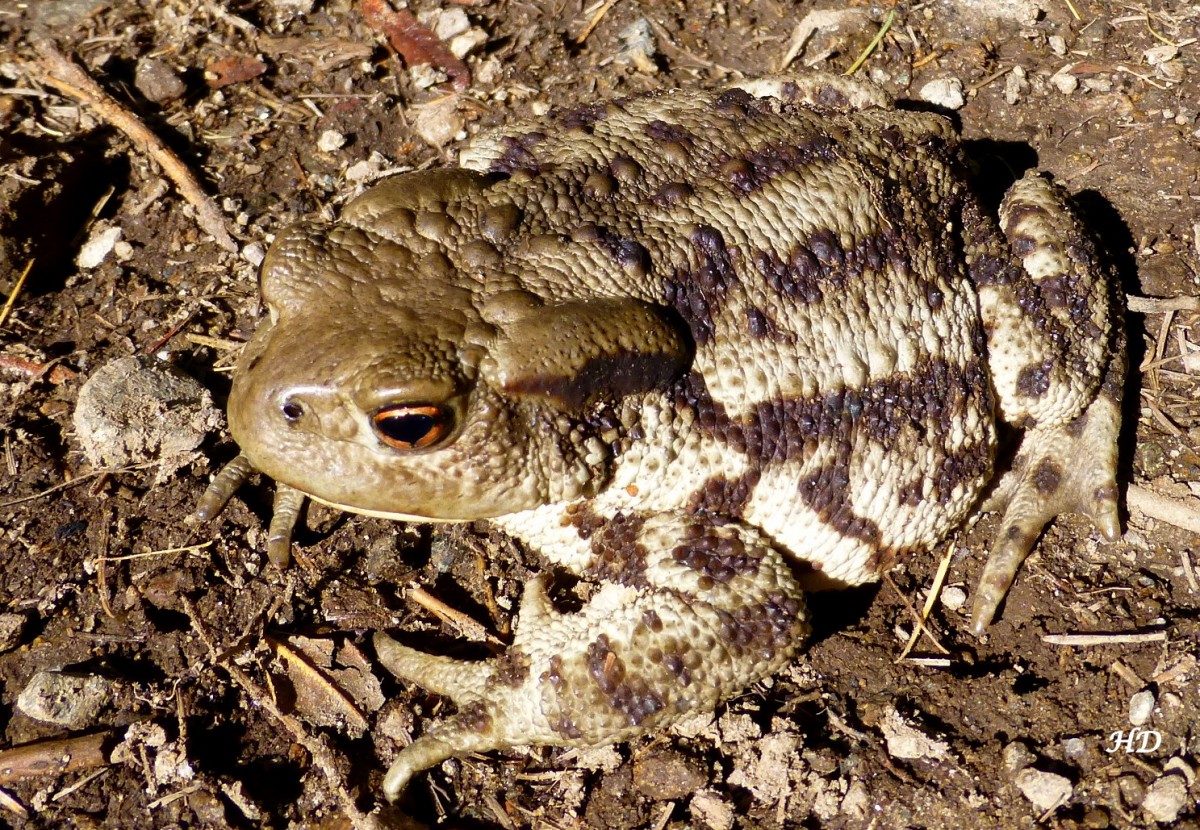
x=666, y=775
x=439, y=122
x=99, y=245
x=944, y=92
x=137, y=409
x=158, y=81
x=1064, y=81
x=1165, y=799
x=857, y=803
x=330, y=140
x=1045, y=790
x=712, y=810
x=71, y=701
x=12, y=626
x=1141, y=707
x=954, y=598
x=907, y=742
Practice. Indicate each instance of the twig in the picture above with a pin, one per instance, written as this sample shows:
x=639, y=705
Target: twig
x=1113, y=639
x=325, y=759
x=471, y=629
x=77, y=480
x=1178, y=512
x=594, y=21
x=414, y=40
x=12, y=295
x=935, y=589
x=54, y=757
x=53, y=370
x=1158, y=305
x=874, y=44
x=68, y=78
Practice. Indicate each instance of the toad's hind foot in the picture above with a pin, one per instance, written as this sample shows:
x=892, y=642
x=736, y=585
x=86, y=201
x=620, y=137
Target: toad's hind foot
x=711, y=608
x=1065, y=468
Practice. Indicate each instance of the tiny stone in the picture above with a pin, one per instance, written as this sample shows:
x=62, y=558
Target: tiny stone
x=715, y=812
x=67, y=700
x=1045, y=790
x=136, y=409
x=1131, y=789
x=1017, y=757
x=667, y=775
x=1064, y=81
x=1097, y=819
x=97, y=247
x=907, y=742
x=1165, y=799
x=1058, y=45
x=254, y=253
x=1016, y=84
x=1158, y=55
x=330, y=140
x=1075, y=747
x=944, y=92
x=954, y=598
x=1141, y=707
x=450, y=23
x=439, y=121
x=856, y=806
x=462, y=45
x=158, y=81
x=12, y=626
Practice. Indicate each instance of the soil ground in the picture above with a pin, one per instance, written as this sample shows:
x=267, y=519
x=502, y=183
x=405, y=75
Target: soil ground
x=228, y=693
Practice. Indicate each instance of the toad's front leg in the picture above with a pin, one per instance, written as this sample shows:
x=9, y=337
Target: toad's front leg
x=688, y=613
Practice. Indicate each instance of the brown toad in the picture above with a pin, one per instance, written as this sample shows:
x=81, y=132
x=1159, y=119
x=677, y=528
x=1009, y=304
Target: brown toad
x=706, y=350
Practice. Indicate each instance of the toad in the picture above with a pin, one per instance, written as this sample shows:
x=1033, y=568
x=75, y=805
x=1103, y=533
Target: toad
x=705, y=351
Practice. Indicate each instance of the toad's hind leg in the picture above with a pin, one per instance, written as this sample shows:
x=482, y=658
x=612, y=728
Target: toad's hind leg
x=1056, y=354
x=704, y=610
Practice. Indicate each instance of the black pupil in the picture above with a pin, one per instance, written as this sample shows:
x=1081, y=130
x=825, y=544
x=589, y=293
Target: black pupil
x=292, y=410
x=407, y=429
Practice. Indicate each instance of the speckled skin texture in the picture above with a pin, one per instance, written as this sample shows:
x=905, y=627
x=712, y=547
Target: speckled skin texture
x=704, y=350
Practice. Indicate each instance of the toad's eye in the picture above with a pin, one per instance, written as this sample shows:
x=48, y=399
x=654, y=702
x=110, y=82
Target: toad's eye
x=412, y=427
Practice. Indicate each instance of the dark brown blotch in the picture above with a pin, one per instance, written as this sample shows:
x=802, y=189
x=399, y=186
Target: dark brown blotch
x=1033, y=380
x=1047, y=477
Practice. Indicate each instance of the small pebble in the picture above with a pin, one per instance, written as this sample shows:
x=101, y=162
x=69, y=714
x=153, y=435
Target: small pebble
x=907, y=742
x=12, y=626
x=1165, y=799
x=714, y=811
x=254, y=253
x=330, y=140
x=1017, y=757
x=1045, y=790
x=1064, y=81
x=944, y=92
x=1181, y=767
x=1141, y=707
x=667, y=775
x=68, y=700
x=954, y=598
x=136, y=409
x=98, y=246
x=439, y=121
x=1131, y=789
x=1075, y=748
x=158, y=81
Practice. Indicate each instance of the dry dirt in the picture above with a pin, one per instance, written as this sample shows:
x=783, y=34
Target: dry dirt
x=212, y=677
